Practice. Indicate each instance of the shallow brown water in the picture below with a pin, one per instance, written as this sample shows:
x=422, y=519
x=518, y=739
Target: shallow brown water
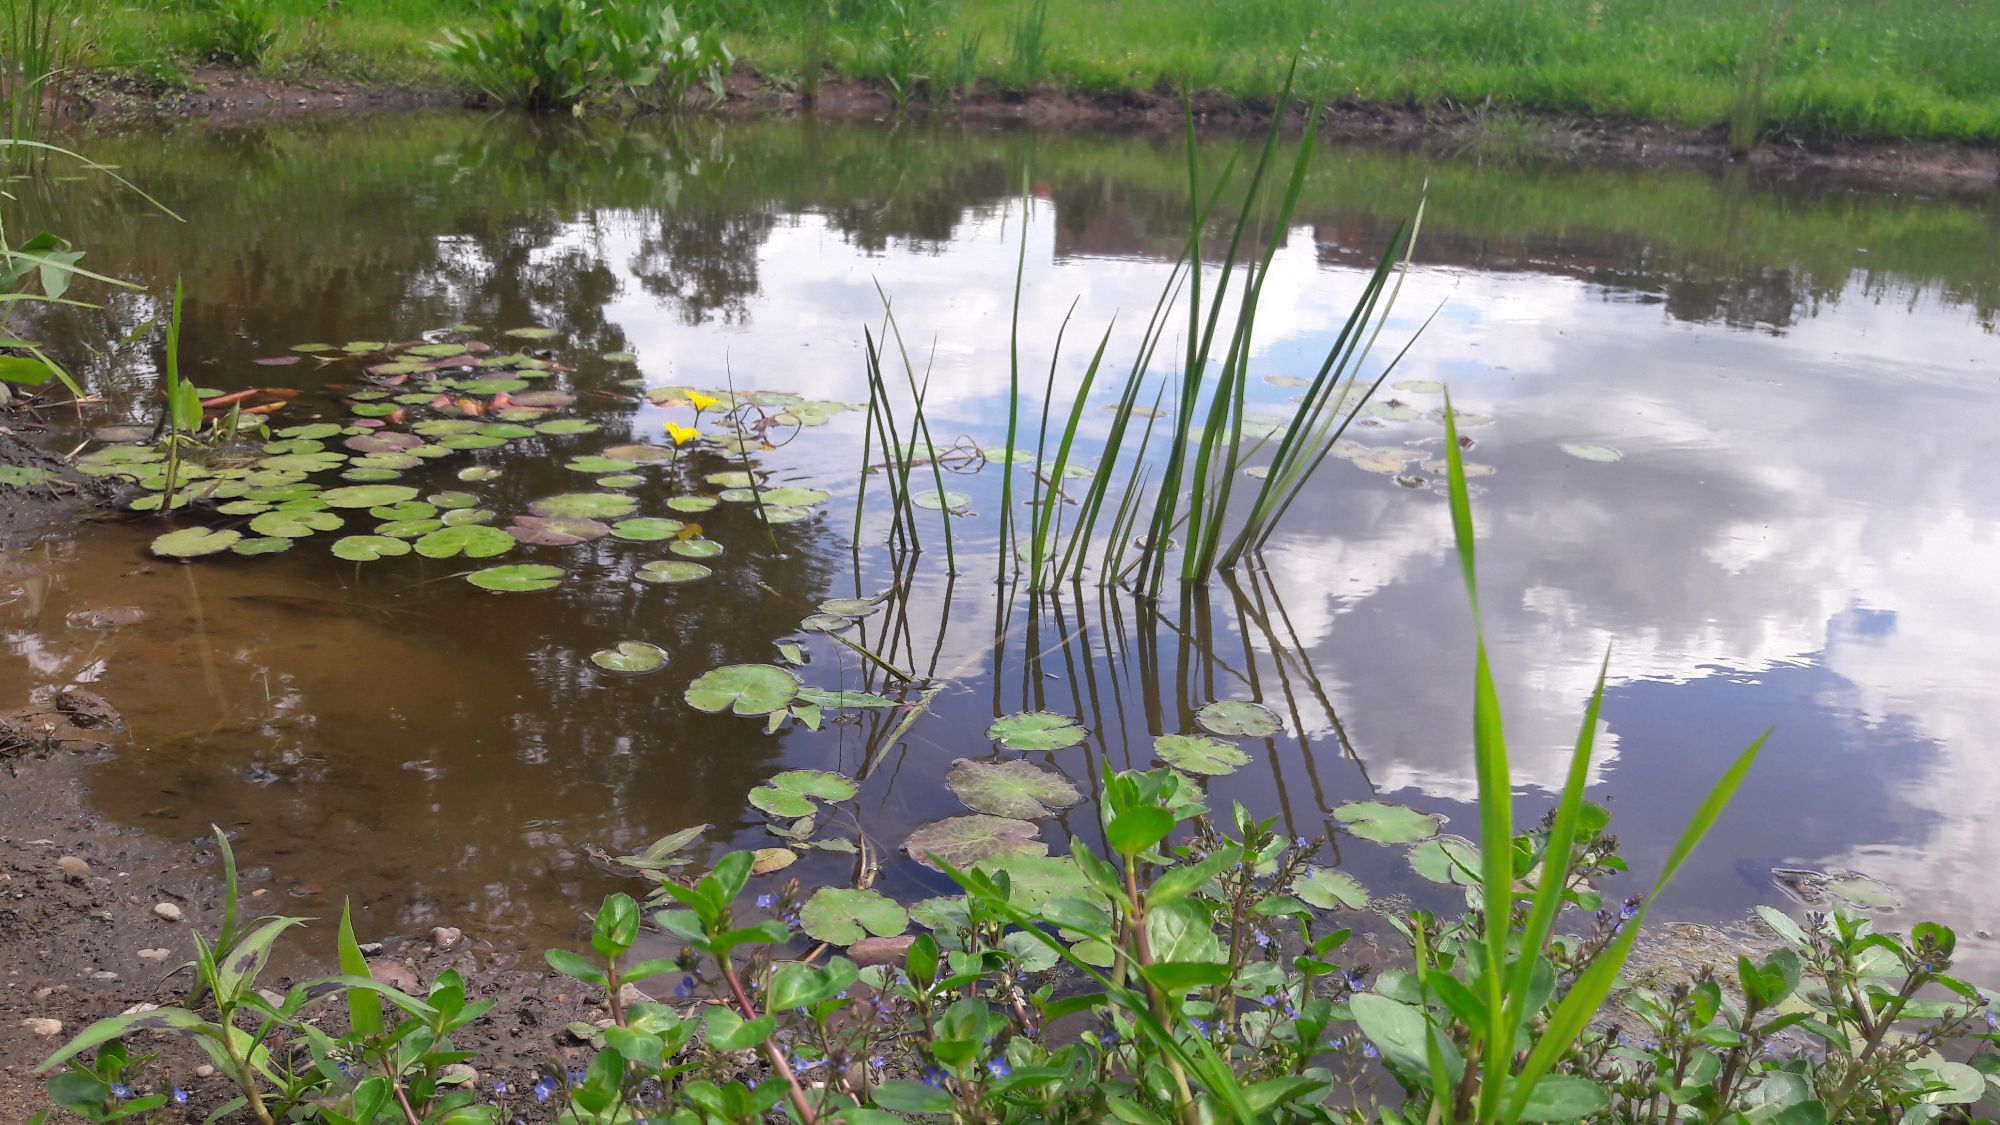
x=1795, y=530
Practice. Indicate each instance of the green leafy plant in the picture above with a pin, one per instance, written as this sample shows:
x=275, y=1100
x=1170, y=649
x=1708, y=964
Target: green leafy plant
x=1027, y=45
x=559, y=54
x=242, y=32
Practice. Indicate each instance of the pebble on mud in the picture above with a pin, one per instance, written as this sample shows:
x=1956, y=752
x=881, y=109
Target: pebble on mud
x=167, y=911
x=395, y=974
x=43, y=1026
x=155, y=954
x=73, y=869
x=460, y=1074
x=204, y=1071
x=444, y=937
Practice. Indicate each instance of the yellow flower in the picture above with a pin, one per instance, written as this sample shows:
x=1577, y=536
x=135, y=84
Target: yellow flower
x=701, y=401
x=681, y=434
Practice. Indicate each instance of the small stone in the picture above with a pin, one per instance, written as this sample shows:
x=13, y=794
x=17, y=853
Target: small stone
x=395, y=974
x=444, y=937
x=73, y=868
x=155, y=954
x=371, y=949
x=629, y=994
x=167, y=911
x=879, y=950
x=104, y=974
x=459, y=1074
x=204, y=1071
x=43, y=1026
x=140, y=1008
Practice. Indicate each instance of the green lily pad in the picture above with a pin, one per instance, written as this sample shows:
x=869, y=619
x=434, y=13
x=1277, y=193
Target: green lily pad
x=691, y=503
x=193, y=542
x=745, y=689
x=671, y=570
x=406, y=510
x=619, y=357
x=561, y=426
x=850, y=607
x=816, y=783
x=294, y=525
x=1388, y=824
x=585, y=505
x=368, y=548
x=696, y=548
x=1862, y=891
x=1453, y=860
x=844, y=915
x=776, y=514
x=965, y=840
x=594, y=464
x=474, y=541
x=264, y=545
x=531, y=332
x=778, y=803
x=311, y=431
x=516, y=578
x=436, y=351
x=1016, y=789
x=1330, y=890
x=631, y=657
x=933, y=499
x=1199, y=754
x=620, y=480
x=737, y=496
x=1239, y=717
x=368, y=495
x=825, y=623
x=459, y=516
x=471, y=441
x=819, y=697
x=1421, y=386
x=478, y=473
x=1036, y=730
x=788, y=496
x=646, y=529
x=507, y=431
x=304, y=462
x=407, y=529
x=312, y=349
x=736, y=479
x=453, y=499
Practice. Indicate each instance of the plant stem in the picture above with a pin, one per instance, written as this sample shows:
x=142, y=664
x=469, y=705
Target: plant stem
x=800, y=1104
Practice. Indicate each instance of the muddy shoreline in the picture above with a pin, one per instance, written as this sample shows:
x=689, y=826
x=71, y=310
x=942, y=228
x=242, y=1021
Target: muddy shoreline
x=225, y=96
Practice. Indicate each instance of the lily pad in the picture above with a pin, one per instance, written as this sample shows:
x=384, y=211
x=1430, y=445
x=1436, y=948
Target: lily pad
x=1421, y=386
x=620, y=480
x=671, y=570
x=691, y=503
x=816, y=783
x=560, y=531
x=368, y=495
x=1239, y=717
x=932, y=499
x=619, y=357
x=407, y=529
x=263, y=545
x=1199, y=754
x=776, y=514
x=820, y=697
x=474, y=541
x=1016, y=789
x=292, y=524
x=736, y=479
x=745, y=689
x=850, y=607
x=1862, y=891
x=1589, y=452
x=193, y=542
x=383, y=441
x=458, y=516
x=1453, y=860
x=646, y=529
x=478, y=473
x=844, y=915
x=516, y=578
x=436, y=351
x=789, y=496
x=544, y=398
x=1036, y=730
x=561, y=426
x=1329, y=890
x=825, y=623
x=531, y=332
x=453, y=499
x=407, y=510
x=368, y=548
x=585, y=505
x=767, y=861
x=630, y=657
x=696, y=548
x=965, y=840
x=1388, y=824
x=595, y=464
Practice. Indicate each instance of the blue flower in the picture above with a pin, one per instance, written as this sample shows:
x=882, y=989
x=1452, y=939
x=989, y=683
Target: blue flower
x=1369, y=1050
x=934, y=1077
x=499, y=1087
x=685, y=988
x=120, y=1091
x=1267, y=1000
x=1302, y=842
x=1627, y=912
x=1202, y=1026
x=1263, y=939
x=1991, y=1019
x=764, y=902
x=878, y=1062
x=999, y=1068
x=1355, y=983
x=576, y=1078
x=544, y=1087
x=180, y=1096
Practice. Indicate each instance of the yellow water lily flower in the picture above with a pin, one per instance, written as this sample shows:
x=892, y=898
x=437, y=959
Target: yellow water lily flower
x=681, y=434
x=701, y=401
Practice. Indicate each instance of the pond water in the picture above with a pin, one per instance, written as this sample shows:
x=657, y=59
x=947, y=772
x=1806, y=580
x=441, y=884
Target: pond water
x=1731, y=427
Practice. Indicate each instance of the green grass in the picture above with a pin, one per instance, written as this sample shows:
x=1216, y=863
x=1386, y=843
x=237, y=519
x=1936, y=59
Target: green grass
x=1912, y=69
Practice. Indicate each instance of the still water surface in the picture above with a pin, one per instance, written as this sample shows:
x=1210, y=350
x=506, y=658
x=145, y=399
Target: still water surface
x=1799, y=528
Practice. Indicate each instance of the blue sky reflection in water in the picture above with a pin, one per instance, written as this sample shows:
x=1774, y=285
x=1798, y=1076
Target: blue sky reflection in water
x=1793, y=531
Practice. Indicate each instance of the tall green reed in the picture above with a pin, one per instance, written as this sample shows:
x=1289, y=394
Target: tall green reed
x=39, y=42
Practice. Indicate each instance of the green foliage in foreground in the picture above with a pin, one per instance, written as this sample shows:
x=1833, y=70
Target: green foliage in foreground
x=1204, y=983
x=1916, y=69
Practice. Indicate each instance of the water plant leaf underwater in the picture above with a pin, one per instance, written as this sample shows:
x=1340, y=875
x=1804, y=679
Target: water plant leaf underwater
x=965, y=840
x=585, y=505
x=517, y=577
x=1017, y=789
x=474, y=541
x=193, y=542
x=671, y=571
x=745, y=689
x=1447, y=859
x=1387, y=824
x=1329, y=889
x=630, y=657
x=844, y=915
x=1197, y=753
x=1239, y=717
x=1036, y=730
